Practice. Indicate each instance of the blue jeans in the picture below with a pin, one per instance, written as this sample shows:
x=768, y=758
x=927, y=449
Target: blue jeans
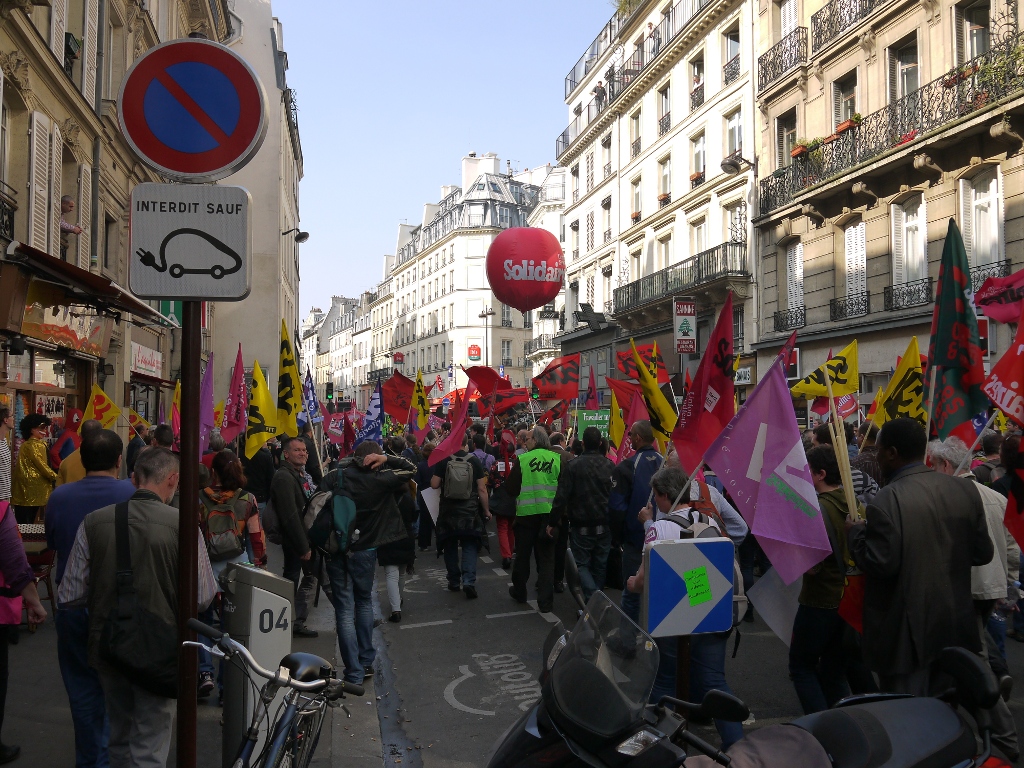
x=466, y=574
x=707, y=672
x=85, y=694
x=352, y=589
x=591, y=554
x=205, y=658
x=632, y=559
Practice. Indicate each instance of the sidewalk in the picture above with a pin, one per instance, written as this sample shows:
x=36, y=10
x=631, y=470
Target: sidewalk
x=38, y=718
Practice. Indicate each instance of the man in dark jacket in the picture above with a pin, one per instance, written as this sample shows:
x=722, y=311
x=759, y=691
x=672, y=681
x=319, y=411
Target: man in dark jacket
x=313, y=467
x=461, y=521
x=631, y=492
x=924, y=532
x=259, y=474
x=289, y=491
x=584, y=486
x=374, y=481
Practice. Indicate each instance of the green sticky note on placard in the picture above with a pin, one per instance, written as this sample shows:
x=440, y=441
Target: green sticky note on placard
x=697, y=585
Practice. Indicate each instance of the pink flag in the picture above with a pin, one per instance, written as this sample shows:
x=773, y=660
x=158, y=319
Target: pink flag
x=460, y=424
x=591, y=403
x=336, y=428
x=236, y=416
x=207, y=420
x=1000, y=297
x=637, y=412
x=760, y=459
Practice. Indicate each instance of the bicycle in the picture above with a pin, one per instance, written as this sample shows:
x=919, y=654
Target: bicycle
x=295, y=726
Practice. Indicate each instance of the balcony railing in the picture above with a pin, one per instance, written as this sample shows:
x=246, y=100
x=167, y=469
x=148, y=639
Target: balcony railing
x=983, y=272
x=379, y=373
x=664, y=199
x=607, y=235
x=507, y=361
x=790, y=319
x=789, y=52
x=544, y=341
x=696, y=97
x=575, y=195
x=506, y=323
x=726, y=260
x=697, y=179
x=634, y=148
x=731, y=70
x=607, y=37
x=617, y=79
x=857, y=305
x=837, y=17
x=912, y=294
x=609, y=307
x=665, y=124
x=607, y=170
x=8, y=205
x=963, y=90
x=635, y=217
x=575, y=253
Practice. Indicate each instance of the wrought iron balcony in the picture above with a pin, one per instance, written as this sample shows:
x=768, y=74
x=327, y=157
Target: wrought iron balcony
x=506, y=361
x=506, y=323
x=961, y=91
x=664, y=199
x=665, y=124
x=983, y=272
x=696, y=97
x=634, y=148
x=609, y=307
x=8, y=205
x=697, y=179
x=379, y=373
x=857, y=305
x=607, y=170
x=635, y=217
x=789, y=52
x=542, y=342
x=722, y=261
x=607, y=235
x=790, y=319
x=575, y=253
x=731, y=70
x=575, y=195
x=837, y=17
x=912, y=294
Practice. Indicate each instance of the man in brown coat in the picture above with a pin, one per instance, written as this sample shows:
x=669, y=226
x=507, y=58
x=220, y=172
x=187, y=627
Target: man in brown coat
x=923, y=534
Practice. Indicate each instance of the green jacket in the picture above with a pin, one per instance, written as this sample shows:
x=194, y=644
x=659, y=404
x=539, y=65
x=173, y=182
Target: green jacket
x=540, y=469
x=824, y=585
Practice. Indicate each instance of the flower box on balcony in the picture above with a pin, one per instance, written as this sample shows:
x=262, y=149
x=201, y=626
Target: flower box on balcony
x=663, y=197
x=830, y=139
x=635, y=218
x=696, y=176
x=846, y=125
x=798, y=151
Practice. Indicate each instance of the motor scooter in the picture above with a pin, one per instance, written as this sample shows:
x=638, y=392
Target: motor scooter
x=594, y=710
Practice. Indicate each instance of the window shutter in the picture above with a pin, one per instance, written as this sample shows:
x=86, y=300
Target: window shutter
x=795, y=275
x=780, y=145
x=89, y=49
x=58, y=26
x=836, y=105
x=967, y=217
x=997, y=207
x=959, y=34
x=84, y=213
x=788, y=16
x=856, y=260
x=39, y=180
x=56, y=166
x=894, y=86
x=898, y=249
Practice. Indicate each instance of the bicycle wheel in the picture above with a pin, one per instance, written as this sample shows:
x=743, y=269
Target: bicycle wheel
x=307, y=736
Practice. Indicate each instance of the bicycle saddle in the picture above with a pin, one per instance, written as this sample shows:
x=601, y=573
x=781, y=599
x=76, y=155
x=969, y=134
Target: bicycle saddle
x=306, y=667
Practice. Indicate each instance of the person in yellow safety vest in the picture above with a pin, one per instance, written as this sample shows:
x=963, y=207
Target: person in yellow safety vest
x=533, y=482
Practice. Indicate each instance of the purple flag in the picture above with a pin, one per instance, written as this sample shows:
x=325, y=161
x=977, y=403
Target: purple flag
x=207, y=421
x=761, y=460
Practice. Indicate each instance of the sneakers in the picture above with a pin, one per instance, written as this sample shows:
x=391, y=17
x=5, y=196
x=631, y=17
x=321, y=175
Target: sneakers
x=367, y=672
x=301, y=630
x=454, y=587
x=1005, y=687
x=470, y=591
x=396, y=616
x=206, y=684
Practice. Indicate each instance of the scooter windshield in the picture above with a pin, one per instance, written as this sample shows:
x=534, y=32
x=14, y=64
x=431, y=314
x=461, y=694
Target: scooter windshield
x=603, y=677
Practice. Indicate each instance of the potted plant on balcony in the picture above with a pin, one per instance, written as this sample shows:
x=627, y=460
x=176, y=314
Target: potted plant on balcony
x=848, y=124
x=634, y=217
x=800, y=148
x=696, y=176
x=664, y=196
x=830, y=138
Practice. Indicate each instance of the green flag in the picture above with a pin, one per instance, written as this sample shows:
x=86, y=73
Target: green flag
x=954, y=353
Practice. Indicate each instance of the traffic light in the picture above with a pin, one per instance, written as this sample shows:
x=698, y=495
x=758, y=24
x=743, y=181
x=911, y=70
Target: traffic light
x=330, y=390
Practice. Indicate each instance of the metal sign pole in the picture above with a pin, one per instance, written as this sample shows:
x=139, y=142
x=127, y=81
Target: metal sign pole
x=188, y=527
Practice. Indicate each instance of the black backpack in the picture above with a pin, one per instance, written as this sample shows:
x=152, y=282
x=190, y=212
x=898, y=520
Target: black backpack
x=330, y=519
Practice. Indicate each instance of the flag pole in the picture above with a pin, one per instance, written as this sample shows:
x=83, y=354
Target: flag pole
x=838, y=432
x=931, y=400
x=977, y=439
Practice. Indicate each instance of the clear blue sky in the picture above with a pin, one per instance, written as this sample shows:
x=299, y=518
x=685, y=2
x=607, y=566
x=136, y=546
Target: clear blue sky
x=392, y=95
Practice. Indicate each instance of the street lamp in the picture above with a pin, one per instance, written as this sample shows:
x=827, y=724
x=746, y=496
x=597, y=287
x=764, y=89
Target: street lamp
x=486, y=315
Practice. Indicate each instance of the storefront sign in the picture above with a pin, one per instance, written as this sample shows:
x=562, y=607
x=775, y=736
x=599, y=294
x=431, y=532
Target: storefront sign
x=147, y=360
x=474, y=352
x=743, y=376
x=597, y=419
x=399, y=357
x=684, y=324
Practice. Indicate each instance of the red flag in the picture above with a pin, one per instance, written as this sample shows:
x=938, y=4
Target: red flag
x=787, y=348
x=637, y=411
x=1005, y=385
x=591, y=403
x=504, y=399
x=688, y=383
x=557, y=411
x=460, y=424
x=348, y=439
x=624, y=392
x=628, y=367
x=236, y=414
x=486, y=379
x=560, y=380
x=709, y=405
x=1000, y=297
x=397, y=393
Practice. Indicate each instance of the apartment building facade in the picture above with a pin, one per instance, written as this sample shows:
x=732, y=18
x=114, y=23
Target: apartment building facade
x=659, y=152
x=549, y=319
x=879, y=123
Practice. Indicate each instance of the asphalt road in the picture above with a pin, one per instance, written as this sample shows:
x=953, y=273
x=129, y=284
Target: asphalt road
x=457, y=672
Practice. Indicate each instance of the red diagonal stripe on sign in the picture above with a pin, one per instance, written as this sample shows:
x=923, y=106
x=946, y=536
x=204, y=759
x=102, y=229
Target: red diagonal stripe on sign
x=192, y=108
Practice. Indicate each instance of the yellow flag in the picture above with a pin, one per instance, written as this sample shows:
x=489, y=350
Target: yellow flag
x=843, y=372
x=420, y=405
x=262, y=414
x=136, y=421
x=905, y=394
x=176, y=402
x=663, y=417
x=289, y=387
x=101, y=408
x=616, y=426
x=218, y=415
x=653, y=367
x=1000, y=425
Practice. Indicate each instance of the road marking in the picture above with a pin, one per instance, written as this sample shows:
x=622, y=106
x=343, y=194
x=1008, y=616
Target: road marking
x=449, y=691
x=485, y=559
x=426, y=624
x=510, y=613
x=500, y=571
x=549, y=617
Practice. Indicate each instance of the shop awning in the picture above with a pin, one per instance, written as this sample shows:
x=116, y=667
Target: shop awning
x=153, y=381
x=88, y=288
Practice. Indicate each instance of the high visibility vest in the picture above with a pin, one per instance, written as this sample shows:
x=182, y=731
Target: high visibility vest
x=540, y=469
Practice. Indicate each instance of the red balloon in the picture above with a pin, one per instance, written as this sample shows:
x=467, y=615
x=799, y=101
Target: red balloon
x=525, y=267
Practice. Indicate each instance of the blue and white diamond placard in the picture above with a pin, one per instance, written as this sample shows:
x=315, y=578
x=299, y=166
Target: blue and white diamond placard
x=688, y=587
